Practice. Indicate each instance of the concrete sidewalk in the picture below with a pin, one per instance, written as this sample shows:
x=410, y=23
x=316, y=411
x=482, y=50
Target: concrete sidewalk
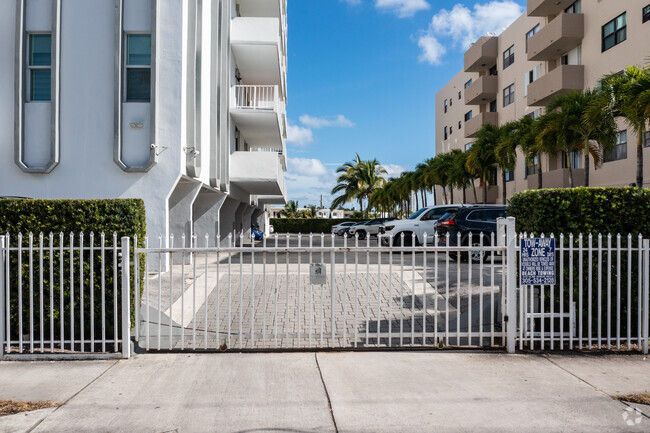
x=328, y=392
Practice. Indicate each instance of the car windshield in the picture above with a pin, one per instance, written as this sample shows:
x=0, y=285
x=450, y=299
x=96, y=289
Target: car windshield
x=417, y=214
x=447, y=216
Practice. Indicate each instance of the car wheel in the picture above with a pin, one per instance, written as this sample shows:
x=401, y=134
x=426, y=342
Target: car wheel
x=406, y=242
x=478, y=255
x=362, y=234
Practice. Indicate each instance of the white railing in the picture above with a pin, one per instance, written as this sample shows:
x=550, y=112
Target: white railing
x=256, y=97
x=62, y=296
x=260, y=296
x=599, y=301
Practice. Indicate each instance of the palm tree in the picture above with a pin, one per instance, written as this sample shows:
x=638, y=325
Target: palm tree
x=592, y=134
x=358, y=180
x=291, y=210
x=459, y=176
x=372, y=178
x=442, y=167
x=481, y=156
x=518, y=133
x=629, y=96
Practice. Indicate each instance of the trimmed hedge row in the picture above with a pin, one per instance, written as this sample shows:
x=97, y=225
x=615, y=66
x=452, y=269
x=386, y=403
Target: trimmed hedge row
x=125, y=217
x=591, y=211
x=307, y=225
x=582, y=210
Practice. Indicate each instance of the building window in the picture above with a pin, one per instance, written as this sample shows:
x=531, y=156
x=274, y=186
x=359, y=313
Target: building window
x=468, y=146
x=459, y=94
x=575, y=8
x=530, y=167
x=509, y=95
x=614, y=32
x=493, y=70
x=469, y=83
x=451, y=130
x=576, y=159
x=646, y=139
x=138, y=68
x=468, y=115
x=445, y=132
x=459, y=124
x=510, y=175
x=493, y=106
x=508, y=57
x=445, y=105
x=646, y=13
x=620, y=150
x=451, y=102
x=531, y=76
x=39, y=67
x=530, y=33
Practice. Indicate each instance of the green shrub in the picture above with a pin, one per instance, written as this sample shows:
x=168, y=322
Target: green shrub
x=306, y=225
x=591, y=211
x=123, y=217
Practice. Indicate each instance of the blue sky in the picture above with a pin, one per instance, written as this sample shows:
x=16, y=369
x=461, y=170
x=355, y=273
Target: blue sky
x=363, y=75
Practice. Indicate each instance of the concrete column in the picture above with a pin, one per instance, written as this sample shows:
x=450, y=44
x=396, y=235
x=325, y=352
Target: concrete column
x=205, y=212
x=246, y=221
x=227, y=216
x=239, y=218
x=180, y=213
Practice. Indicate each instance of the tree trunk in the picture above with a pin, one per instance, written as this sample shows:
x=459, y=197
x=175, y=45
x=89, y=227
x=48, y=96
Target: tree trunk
x=639, y=156
x=451, y=195
x=539, y=171
x=435, y=195
x=464, y=196
x=423, y=195
x=586, y=162
x=485, y=191
x=417, y=201
x=474, y=189
x=361, y=206
x=570, y=171
x=504, y=192
x=444, y=195
x=426, y=202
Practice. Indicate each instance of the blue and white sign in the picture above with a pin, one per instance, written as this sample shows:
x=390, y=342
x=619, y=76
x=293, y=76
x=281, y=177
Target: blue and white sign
x=537, y=262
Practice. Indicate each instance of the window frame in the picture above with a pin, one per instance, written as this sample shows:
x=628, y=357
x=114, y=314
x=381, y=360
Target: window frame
x=646, y=139
x=509, y=56
x=645, y=14
x=574, y=8
x=29, y=97
x=615, y=33
x=616, y=154
x=446, y=105
x=510, y=96
x=446, y=133
x=126, y=66
x=468, y=115
x=530, y=33
x=468, y=83
x=509, y=175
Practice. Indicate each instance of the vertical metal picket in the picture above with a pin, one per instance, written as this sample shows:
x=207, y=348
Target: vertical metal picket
x=3, y=289
x=511, y=285
x=646, y=290
x=126, y=298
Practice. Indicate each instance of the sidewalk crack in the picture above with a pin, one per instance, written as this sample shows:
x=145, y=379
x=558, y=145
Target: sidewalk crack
x=329, y=401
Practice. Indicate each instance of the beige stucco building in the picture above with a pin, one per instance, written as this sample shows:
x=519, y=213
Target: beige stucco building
x=554, y=47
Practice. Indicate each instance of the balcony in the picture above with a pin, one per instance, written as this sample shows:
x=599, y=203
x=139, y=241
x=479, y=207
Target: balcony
x=482, y=90
x=473, y=125
x=559, y=81
x=258, y=44
x=557, y=178
x=260, y=115
x=556, y=38
x=258, y=173
x=546, y=8
x=482, y=54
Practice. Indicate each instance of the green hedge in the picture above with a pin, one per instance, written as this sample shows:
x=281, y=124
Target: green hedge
x=582, y=210
x=306, y=225
x=124, y=217
x=590, y=211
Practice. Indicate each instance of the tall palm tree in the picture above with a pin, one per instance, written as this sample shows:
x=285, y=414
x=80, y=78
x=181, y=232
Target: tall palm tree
x=442, y=167
x=459, y=176
x=519, y=133
x=481, y=157
x=372, y=178
x=592, y=134
x=348, y=184
x=629, y=96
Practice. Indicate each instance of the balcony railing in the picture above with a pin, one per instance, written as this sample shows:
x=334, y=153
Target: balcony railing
x=256, y=98
x=557, y=37
x=482, y=55
x=545, y=8
x=560, y=80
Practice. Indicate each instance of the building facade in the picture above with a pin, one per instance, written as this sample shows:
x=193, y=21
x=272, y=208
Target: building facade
x=555, y=47
x=181, y=103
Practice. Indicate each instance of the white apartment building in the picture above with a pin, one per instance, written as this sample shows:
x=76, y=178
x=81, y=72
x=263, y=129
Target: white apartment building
x=181, y=103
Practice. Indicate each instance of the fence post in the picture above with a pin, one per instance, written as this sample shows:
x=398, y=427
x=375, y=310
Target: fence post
x=126, y=298
x=511, y=285
x=2, y=295
x=646, y=294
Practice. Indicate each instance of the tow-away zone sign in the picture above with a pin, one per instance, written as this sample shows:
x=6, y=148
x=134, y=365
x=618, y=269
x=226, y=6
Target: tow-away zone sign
x=537, y=262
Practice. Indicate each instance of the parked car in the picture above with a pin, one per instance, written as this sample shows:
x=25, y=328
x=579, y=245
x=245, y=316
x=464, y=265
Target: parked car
x=421, y=222
x=342, y=228
x=475, y=219
x=369, y=228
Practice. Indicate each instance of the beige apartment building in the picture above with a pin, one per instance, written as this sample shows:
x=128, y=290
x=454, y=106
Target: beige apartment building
x=555, y=47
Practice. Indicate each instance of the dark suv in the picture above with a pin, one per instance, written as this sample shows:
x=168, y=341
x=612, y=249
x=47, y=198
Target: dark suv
x=475, y=219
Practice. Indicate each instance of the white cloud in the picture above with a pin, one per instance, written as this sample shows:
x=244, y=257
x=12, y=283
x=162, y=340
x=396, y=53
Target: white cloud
x=298, y=135
x=307, y=167
x=461, y=26
x=402, y=8
x=393, y=170
x=307, y=179
x=323, y=122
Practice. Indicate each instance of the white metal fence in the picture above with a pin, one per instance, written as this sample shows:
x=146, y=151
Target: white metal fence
x=70, y=295
x=63, y=296
x=256, y=97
